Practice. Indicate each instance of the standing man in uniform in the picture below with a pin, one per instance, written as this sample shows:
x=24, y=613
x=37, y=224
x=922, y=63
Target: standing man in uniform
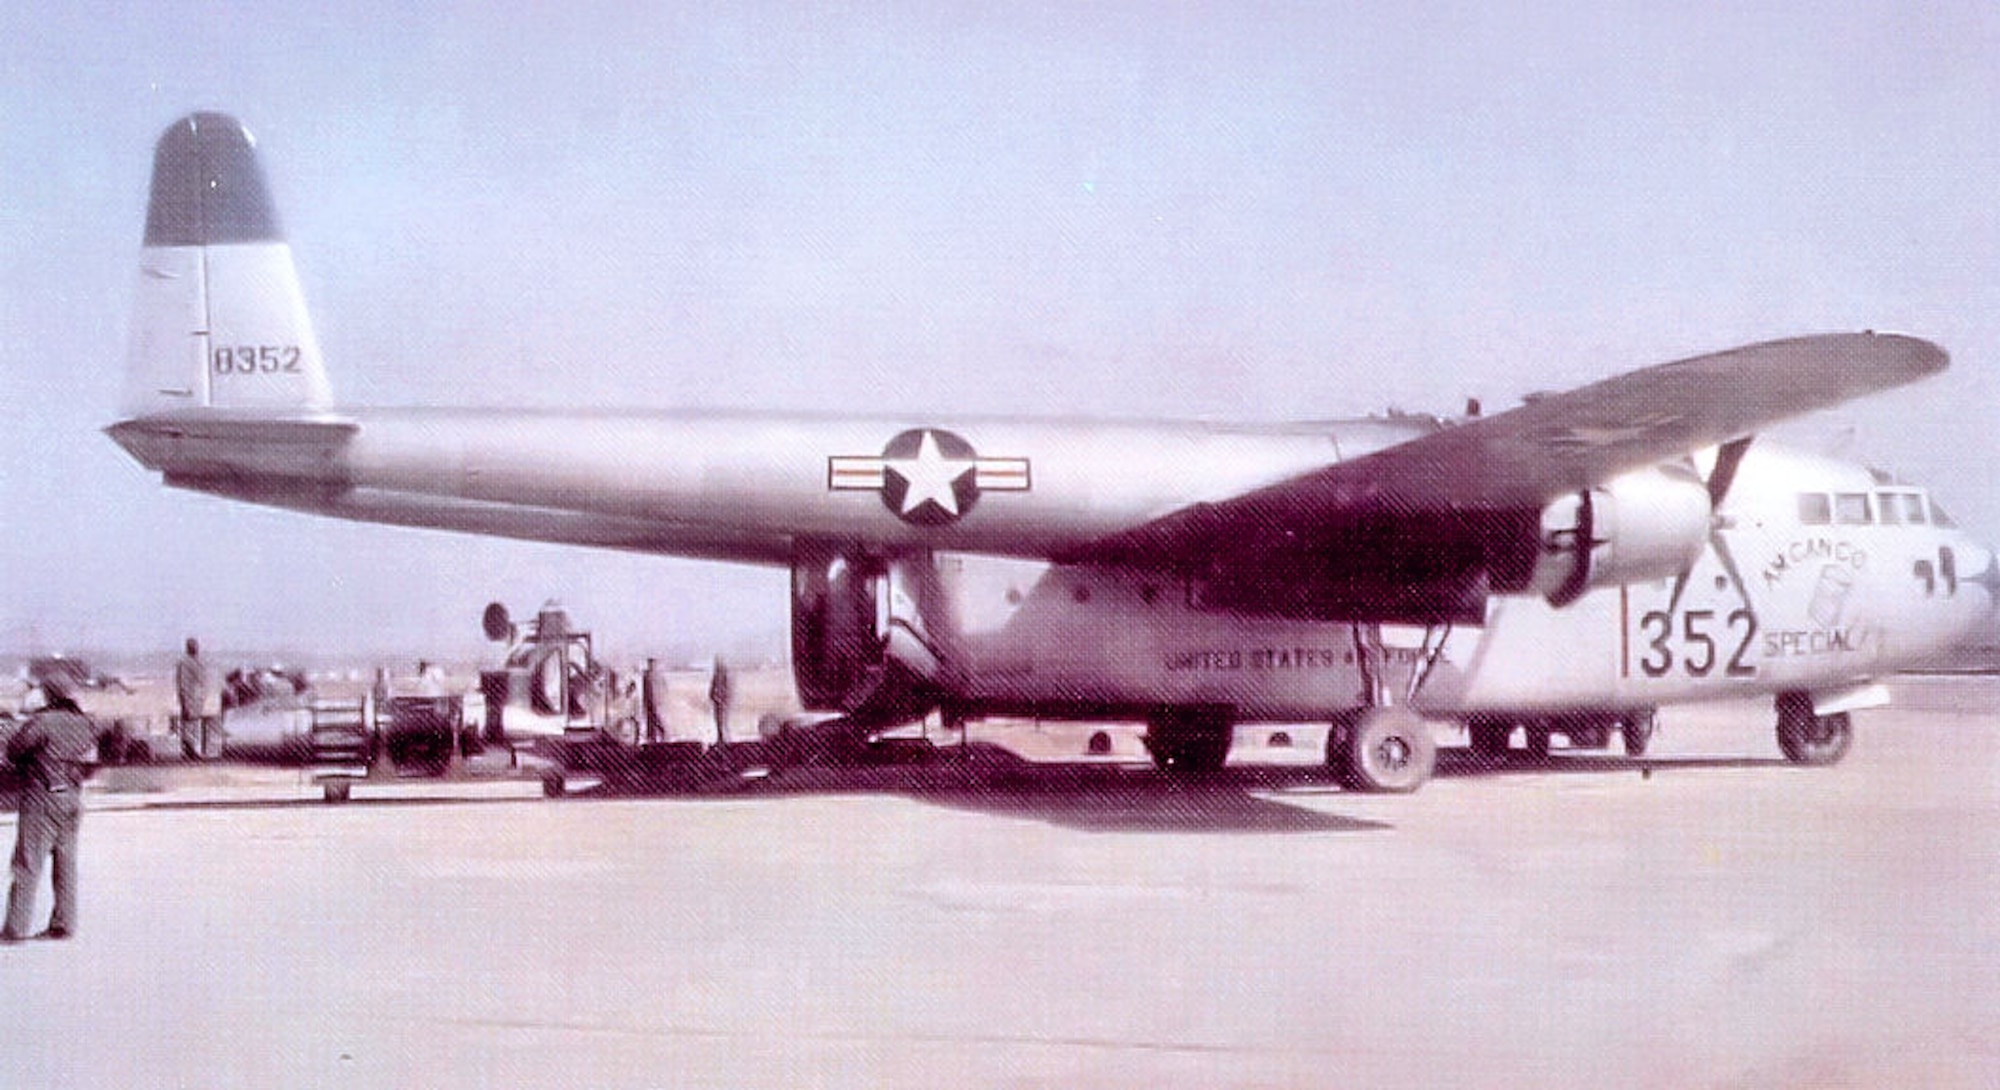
x=191, y=687
x=52, y=752
x=718, y=697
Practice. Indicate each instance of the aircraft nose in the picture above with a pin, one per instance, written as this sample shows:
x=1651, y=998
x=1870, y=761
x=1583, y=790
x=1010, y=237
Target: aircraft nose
x=1984, y=634
x=1987, y=578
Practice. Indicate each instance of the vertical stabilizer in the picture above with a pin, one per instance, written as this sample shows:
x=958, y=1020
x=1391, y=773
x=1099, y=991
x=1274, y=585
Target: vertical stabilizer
x=219, y=321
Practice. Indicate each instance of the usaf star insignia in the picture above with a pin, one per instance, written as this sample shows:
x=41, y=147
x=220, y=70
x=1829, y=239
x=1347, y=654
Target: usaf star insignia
x=927, y=476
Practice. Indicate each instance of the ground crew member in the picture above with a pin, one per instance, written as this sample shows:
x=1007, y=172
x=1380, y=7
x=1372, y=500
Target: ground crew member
x=653, y=701
x=718, y=697
x=191, y=687
x=52, y=752
x=430, y=679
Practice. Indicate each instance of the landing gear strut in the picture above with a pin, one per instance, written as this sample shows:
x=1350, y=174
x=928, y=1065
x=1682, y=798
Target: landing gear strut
x=1809, y=739
x=1379, y=747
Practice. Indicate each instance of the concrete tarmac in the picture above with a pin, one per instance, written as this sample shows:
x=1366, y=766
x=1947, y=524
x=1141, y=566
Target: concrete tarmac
x=1708, y=917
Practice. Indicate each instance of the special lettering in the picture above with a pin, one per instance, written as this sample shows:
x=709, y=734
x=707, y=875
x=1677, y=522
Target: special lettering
x=1800, y=643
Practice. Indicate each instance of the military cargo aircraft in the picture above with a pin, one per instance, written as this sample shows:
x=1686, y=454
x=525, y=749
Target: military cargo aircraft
x=1568, y=564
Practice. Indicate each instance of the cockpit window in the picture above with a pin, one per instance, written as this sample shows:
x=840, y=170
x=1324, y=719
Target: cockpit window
x=1900, y=508
x=1815, y=509
x=1851, y=509
x=1939, y=518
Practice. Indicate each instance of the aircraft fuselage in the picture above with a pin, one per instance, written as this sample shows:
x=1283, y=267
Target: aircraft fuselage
x=1772, y=603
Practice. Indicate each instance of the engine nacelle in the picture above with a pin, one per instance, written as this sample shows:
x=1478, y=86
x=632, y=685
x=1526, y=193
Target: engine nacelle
x=1647, y=524
x=861, y=641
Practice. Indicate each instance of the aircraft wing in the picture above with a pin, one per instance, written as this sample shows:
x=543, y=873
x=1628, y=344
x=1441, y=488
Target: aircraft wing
x=1527, y=456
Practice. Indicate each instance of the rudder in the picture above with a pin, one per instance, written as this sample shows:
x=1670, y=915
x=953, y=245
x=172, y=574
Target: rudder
x=220, y=321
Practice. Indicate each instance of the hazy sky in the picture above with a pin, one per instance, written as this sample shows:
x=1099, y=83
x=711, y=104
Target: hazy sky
x=1224, y=211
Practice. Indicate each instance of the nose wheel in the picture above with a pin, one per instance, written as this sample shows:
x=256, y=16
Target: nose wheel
x=1808, y=739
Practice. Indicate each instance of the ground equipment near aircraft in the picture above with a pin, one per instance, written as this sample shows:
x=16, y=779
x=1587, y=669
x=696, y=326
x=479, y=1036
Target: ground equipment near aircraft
x=554, y=699
x=552, y=683
x=272, y=715
x=1570, y=563
x=275, y=716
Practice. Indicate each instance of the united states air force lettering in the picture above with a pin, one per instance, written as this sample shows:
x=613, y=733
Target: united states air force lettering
x=1273, y=658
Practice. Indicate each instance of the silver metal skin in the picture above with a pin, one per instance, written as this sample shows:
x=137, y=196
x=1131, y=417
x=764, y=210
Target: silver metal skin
x=1611, y=548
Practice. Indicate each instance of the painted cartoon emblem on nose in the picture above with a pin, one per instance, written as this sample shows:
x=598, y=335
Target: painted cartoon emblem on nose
x=927, y=476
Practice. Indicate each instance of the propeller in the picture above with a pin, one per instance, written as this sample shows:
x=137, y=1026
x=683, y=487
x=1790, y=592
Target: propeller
x=1721, y=478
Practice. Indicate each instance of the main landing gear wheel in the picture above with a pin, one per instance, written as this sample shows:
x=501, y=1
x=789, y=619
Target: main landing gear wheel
x=1808, y=739
x=1381, y=750
x=1189, y=741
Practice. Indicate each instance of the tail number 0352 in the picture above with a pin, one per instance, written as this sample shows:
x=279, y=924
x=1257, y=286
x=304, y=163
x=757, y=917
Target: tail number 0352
x=1702, y=643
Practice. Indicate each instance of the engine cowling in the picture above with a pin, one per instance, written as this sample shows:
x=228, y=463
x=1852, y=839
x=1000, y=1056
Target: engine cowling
x=1647, y=524
x=861, y=643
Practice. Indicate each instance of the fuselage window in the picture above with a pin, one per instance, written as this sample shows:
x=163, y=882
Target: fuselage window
x=1851, y=509
x=1815, y=509
x=1939, y=518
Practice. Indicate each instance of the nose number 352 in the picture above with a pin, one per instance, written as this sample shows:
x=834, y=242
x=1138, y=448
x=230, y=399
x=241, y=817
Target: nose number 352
x=1699, y=645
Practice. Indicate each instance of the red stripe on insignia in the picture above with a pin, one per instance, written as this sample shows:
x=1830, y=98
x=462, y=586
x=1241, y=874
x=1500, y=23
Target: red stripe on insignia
x=1006, y=474
x=859, y=474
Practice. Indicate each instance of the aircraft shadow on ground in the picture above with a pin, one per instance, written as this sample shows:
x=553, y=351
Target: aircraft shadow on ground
x=1463, y=763
x=317, y=803
x=981, y=778
x=1099, y=797
x=1133, y=797
x=1095, y=796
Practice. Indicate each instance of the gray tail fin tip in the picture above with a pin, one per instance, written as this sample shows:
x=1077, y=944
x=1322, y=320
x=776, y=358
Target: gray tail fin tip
x=208, y=186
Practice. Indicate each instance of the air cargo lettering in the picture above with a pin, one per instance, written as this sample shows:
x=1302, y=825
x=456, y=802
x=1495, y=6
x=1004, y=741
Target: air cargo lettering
x=1806, y=550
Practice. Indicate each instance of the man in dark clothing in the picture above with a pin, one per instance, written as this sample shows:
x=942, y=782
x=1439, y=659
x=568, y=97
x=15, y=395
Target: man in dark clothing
x=719, y=695
x=52, y=751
